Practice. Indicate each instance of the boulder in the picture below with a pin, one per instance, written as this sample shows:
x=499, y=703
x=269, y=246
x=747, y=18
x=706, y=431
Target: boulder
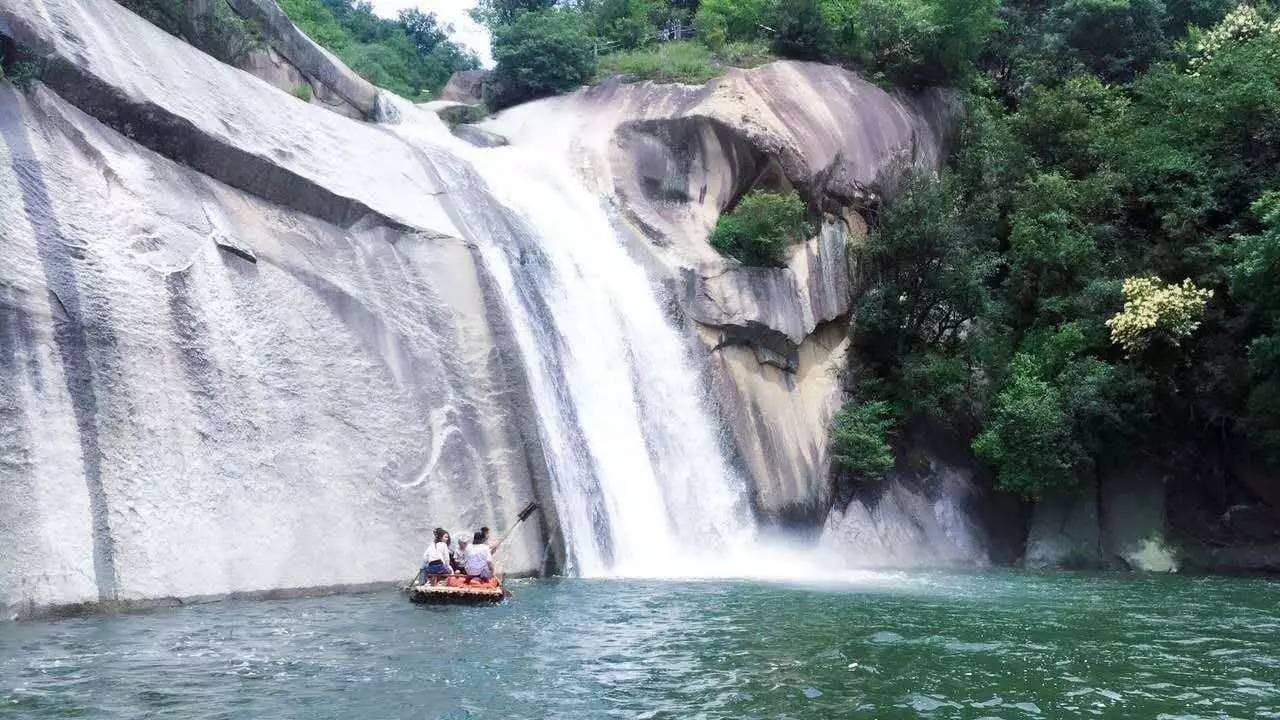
x=478, y=136
x=466, y=86
x=455, y=113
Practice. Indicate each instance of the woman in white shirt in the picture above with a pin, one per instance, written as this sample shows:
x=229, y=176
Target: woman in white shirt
x=436, y=559
x=479, y=561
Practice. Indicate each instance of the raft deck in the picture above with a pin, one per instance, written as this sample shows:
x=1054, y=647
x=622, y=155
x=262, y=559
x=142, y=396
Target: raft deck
x=465, y=595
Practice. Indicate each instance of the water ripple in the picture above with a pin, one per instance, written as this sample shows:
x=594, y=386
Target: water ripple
x=1001, y=644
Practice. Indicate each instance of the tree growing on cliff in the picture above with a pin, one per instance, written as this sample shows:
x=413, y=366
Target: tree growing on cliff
x=860, y=440
x=1253, y=273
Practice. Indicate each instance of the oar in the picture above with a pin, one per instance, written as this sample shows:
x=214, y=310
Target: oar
x=520, y=517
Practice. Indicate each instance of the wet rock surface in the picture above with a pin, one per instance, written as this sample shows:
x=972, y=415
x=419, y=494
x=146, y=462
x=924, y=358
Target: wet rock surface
x=674, y=157
x=234, y=358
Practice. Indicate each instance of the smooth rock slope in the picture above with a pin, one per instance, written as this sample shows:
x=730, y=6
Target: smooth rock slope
x=274, y=373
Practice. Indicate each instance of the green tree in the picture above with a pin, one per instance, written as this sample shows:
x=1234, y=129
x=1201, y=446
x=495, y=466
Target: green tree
x=1116, y=39
x=1059, y=411
x=497, y=13
x=801, y=30
x=728, y=20
x=539, y=54
x=1202, y=144
x=860, y=435
x=626, y=24
x=928, y=265
x=1254, y=272
x=411, y=56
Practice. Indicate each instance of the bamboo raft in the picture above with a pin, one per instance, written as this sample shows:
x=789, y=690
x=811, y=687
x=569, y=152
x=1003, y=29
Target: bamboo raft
x=443, y=594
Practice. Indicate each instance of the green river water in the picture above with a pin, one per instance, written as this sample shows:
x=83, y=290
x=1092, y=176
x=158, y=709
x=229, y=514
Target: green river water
x=884, y=645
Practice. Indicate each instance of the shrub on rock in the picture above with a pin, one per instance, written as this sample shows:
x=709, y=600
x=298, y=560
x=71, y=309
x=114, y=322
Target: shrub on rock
x=759, y=230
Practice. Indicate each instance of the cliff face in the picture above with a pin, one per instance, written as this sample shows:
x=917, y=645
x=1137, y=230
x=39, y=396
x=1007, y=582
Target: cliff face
x=671, y=158
x=237, y=360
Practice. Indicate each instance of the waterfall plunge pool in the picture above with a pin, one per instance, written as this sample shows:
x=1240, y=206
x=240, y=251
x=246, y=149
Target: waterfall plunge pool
x=884, y=645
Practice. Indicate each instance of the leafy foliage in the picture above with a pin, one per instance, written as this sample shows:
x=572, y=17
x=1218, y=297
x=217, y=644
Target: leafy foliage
x=1016, y=298
x=411, y=56
x=683, y=62
x=860, y=435
x=1154, y=309
x=540, y=53
x=1253, y=273
x=497, y=13
x=761, y=227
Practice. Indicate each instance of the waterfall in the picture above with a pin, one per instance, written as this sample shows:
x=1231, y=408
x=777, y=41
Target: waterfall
x=642, y=484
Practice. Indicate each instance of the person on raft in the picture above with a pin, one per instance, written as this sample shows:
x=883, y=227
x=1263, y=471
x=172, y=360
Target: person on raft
x=436, y=558
x=458, y=558
x=478, y=561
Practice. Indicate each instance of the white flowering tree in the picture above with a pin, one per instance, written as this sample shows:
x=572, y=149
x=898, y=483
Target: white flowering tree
x=1240, y=25
x=1154, y=308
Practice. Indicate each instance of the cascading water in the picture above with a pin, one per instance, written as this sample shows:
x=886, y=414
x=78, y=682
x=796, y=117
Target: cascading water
x=641, y=480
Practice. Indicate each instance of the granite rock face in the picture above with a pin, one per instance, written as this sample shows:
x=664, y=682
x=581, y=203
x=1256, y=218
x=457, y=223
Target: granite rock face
x=935, y=508
x=1117, y=521
x=672, y=158
x=232, y=357
x=250, y=344
x=1066, y=532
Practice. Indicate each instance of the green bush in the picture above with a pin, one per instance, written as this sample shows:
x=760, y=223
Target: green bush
x=683, y=62
x=687, y=61
x=761, y=227
x=860, y=435
x=719, y=21
x=302, y=92
x=539, y=54
x=496, y=13
x=744, y=53
x=22, y=74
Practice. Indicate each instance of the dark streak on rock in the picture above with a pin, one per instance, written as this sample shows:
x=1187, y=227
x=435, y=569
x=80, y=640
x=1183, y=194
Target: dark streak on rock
x=178, y=139
x=77, y=339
